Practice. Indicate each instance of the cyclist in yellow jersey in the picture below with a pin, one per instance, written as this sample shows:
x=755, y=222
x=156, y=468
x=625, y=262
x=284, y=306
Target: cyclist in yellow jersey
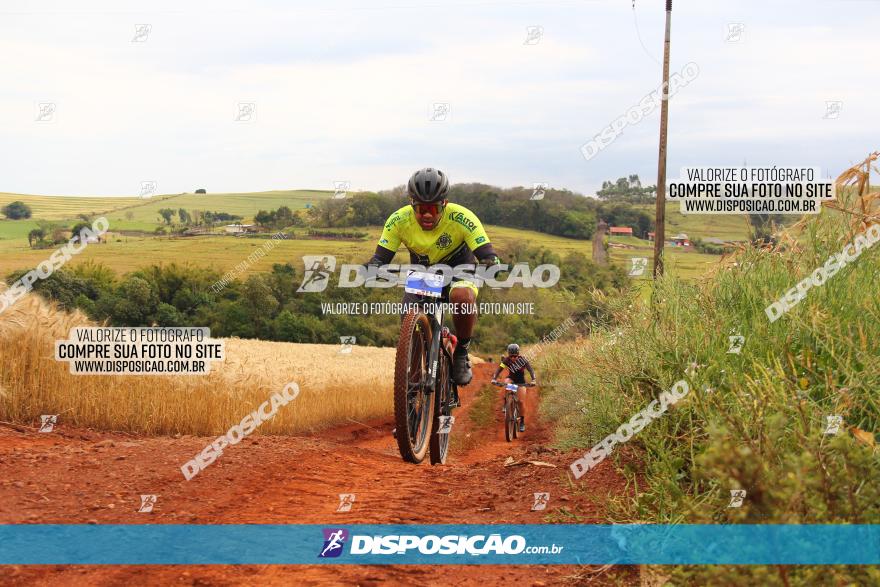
x=436, y=231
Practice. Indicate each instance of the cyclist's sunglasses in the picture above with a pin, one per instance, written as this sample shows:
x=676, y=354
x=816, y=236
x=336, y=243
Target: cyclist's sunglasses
x=422, y=208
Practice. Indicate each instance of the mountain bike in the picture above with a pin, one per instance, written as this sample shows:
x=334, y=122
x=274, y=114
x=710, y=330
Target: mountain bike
x=424, y=391
x=510, y=408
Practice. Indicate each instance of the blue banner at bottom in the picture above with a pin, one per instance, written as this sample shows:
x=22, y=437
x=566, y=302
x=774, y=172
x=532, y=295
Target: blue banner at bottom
x=141, y=544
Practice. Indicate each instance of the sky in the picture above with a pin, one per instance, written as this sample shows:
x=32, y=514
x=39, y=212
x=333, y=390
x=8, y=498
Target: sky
x=368, y=92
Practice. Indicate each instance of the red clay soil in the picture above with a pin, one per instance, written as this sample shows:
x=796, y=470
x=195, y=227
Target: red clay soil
x=80, y=476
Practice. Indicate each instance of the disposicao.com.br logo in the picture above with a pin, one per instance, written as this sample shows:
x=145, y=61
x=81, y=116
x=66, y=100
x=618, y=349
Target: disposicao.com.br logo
x=319, y=268
x=453, y=544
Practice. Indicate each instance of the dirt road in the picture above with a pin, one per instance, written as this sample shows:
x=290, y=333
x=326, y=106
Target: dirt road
x=80, y=476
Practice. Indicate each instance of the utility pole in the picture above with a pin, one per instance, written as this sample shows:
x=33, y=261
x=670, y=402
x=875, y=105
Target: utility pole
x=660, y=214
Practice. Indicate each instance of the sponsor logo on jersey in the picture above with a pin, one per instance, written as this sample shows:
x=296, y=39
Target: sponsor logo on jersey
x=444, y=241
x=463, y=220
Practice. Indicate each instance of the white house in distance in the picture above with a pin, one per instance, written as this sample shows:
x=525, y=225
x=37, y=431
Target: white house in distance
x=239, y=228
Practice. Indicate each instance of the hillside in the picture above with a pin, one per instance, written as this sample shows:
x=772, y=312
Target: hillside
x=144, y=213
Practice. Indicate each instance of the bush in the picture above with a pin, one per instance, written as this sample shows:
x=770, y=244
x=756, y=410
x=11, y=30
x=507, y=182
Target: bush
x=62, y=286
x=710, y=248
x=167, y=315
x=17, y=210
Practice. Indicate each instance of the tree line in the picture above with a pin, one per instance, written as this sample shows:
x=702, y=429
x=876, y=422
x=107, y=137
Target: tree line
x=553, y=211
x=267, y=306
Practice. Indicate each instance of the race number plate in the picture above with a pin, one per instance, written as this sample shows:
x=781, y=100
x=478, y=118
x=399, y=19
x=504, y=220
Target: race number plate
x=512, y=387
x=424, y=284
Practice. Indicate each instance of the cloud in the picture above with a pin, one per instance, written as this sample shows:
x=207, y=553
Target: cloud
x=344, y=91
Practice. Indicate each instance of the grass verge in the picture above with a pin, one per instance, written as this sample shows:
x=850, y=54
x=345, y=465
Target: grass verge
x=756, y=420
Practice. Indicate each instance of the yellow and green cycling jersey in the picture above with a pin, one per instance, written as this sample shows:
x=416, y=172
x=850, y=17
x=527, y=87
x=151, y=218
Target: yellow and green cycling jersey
x=457, y=228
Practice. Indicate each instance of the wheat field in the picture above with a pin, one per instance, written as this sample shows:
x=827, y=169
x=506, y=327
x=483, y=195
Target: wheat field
x=335, y=388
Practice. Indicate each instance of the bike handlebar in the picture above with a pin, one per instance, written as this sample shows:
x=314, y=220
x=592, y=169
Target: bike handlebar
x=502, y=384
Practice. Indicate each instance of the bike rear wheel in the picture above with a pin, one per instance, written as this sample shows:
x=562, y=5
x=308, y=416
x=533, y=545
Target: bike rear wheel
x=442, y=398
x=413, y=404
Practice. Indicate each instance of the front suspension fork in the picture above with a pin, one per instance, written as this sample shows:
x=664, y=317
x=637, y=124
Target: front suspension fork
x=434, y=352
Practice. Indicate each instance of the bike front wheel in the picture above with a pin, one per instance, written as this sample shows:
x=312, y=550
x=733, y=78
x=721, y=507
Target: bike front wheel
x=413, y=404
x=510, y=418
x=442, y=398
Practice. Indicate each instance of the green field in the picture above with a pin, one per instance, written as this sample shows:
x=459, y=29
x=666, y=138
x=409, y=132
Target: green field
x=64, y=207
x=145, y=212
x=126, y=253
x=245, y=205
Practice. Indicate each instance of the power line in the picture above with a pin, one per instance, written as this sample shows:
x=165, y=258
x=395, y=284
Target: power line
x=639, y=34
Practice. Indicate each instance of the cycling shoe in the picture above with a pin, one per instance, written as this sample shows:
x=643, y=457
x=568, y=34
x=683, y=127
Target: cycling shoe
x=461, y=369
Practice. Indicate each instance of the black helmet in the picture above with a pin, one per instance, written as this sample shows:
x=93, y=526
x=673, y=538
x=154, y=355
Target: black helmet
x=428, y=185
x=513, y=349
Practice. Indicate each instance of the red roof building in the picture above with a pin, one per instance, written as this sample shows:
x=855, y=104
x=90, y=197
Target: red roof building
x=623, y=230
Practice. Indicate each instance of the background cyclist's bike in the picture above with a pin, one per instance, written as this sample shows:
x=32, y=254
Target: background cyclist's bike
x=424, y=392
x=510, y=407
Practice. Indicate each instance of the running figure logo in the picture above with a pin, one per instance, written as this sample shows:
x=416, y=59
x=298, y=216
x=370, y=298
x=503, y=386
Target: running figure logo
x=736, y=343
x=347, y=342
x=245, y=112
x=147, y=503
x=534, y=34
x=334, y=540
x=346, y=500
x=538, y=189
x=141, y=33
x=735, y=32
x=541, y=501
x=439, y=112
x=317, y=272
x=736, y=498
x=148, y=188
x=639, y=264
x=45, y=112
x=446, y=423
x=47, y=422
x=340, y=189
x=833, y=424
x=832, y=109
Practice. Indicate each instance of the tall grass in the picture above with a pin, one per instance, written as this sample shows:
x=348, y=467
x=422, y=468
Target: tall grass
x=334, y=388
x=754, y=420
